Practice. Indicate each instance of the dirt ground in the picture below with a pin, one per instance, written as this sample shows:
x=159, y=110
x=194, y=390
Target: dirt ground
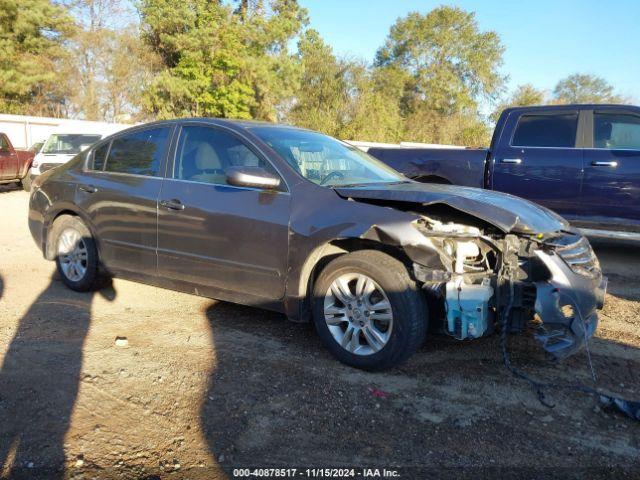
x=204, y=387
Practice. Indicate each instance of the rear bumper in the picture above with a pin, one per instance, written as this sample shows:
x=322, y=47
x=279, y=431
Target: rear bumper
x=567, y=304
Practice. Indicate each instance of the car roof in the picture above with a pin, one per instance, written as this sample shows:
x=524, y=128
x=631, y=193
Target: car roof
x=235, y=124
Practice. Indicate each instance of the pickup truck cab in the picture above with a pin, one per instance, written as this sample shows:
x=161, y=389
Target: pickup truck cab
x=14, y=164
x=582, y=161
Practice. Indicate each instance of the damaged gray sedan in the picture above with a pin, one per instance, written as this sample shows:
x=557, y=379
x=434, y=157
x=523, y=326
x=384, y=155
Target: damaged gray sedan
x=294, y=221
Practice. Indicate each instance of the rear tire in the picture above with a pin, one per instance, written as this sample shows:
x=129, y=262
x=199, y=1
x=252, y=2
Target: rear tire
x=76, y=253
x=378, y=344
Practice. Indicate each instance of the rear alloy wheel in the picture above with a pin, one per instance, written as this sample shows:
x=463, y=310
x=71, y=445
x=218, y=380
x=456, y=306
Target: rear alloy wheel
x=76, y=253
x=72, y=254
x=368, y=311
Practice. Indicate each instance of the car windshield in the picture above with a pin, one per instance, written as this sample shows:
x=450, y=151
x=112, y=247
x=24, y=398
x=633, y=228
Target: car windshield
x=36, y=147
x=69, y=143
x=325, y=160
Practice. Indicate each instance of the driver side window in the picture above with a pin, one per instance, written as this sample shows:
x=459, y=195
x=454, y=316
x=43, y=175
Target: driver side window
x=205, y=153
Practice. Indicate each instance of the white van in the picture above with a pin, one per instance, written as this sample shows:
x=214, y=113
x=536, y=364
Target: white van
x=66, y=142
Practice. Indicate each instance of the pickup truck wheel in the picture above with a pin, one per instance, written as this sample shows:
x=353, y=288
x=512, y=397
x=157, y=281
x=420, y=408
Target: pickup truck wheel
x=76, y=253
x=26, y=183
x=367, y=310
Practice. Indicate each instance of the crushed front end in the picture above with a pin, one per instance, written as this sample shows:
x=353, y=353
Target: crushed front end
x=550, y=283
x=567, y=302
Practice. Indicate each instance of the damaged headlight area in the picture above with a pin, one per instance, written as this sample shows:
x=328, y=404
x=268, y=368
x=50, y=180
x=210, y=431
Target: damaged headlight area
x=552, y=284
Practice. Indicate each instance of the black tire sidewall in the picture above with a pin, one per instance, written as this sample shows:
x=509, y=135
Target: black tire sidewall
x=408, y=307
x=89, y=281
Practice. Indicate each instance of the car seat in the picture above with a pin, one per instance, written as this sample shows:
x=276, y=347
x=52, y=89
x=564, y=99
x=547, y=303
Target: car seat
x=208, y=165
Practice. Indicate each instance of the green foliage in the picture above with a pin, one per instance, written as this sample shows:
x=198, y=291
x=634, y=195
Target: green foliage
x=232, y=58
x=220, y=61
x=581, y=88
x=102, y=84
x=522, y=96
x=342, y=98
x=320, y=102
x=446, y=66
x=32, y=35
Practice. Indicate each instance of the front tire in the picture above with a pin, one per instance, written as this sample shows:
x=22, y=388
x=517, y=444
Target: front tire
x=76, y=253
x=368, y=311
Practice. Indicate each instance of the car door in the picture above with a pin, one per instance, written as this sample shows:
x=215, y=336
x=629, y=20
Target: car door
x=541, y=160
x=119, y=191
x=611, y=189
x=8, y=160
x=216, y=237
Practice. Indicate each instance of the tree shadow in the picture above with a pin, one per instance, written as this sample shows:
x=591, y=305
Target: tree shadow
x=35, y=409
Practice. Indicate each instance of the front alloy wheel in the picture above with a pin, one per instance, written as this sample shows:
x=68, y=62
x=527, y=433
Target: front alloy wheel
x=358, y=314
x=368, y=311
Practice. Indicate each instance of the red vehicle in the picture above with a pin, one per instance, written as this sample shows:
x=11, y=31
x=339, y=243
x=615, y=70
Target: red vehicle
x=14, y=164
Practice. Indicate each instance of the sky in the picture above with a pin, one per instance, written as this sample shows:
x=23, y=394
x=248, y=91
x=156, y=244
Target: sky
x=545, y=40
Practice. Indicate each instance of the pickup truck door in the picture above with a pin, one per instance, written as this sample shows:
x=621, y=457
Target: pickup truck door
x=611, y=189
x=538, y=157
x=8, y=160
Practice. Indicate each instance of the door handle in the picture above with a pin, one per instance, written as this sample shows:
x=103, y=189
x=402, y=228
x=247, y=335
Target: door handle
x=605, y=164
x=88, y=188
x=513, y=161
x=173, y=204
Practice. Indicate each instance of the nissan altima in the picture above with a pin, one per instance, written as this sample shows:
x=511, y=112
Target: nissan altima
x=291, y=220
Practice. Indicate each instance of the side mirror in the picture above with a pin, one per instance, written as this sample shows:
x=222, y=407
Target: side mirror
x=254, y=177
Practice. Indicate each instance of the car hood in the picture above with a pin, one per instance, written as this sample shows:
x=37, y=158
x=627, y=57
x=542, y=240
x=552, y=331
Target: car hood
x=504, y=211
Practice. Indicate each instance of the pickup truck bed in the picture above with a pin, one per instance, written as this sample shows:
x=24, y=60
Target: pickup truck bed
x=465, y=166
x=582, y=161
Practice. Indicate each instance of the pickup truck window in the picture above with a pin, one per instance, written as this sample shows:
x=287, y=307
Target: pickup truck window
x=546, y=131
x=4, y=144
x=616, y=131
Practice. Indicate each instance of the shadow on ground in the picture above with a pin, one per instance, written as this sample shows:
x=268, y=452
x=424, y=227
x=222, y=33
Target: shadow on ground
x=35, y=409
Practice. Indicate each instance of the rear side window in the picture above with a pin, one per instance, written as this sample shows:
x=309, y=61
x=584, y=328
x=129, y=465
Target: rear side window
x=138, y=153
x=616, y=130
x=546, y=131
x=100, y=157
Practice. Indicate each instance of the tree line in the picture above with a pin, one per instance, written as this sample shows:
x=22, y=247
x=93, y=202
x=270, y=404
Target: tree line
x=260, y=59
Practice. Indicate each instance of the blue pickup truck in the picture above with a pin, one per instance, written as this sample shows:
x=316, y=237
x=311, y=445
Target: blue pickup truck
x=582, y=161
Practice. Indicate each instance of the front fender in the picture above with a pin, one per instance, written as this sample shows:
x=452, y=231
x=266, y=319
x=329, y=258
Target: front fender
x=316, y=235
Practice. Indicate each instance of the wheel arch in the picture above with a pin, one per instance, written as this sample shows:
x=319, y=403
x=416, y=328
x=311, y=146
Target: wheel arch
x=433, y=179
x=321, y=256
x=69, y=210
